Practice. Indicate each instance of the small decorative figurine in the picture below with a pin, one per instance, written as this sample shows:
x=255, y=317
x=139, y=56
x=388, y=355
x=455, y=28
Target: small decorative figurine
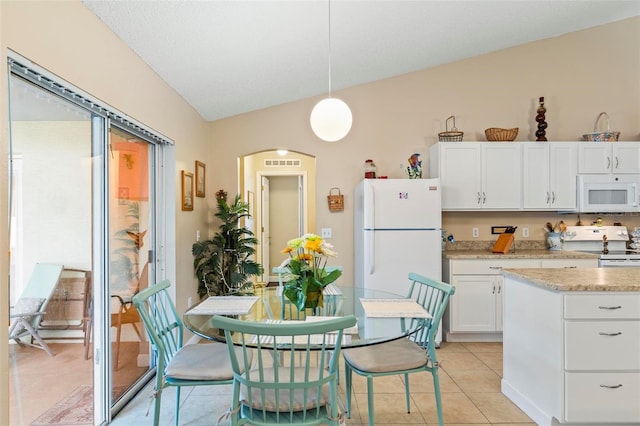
x=414, y=169
x=542, y=124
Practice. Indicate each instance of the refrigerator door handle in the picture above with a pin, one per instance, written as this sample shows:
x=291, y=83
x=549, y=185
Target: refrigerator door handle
x=372, y=253
x=372, y=212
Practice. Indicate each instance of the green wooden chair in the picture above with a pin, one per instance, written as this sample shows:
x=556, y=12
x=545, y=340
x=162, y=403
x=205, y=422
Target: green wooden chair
x=29, y=309
x=407, y=355
x=290, y=392
x=178, y=365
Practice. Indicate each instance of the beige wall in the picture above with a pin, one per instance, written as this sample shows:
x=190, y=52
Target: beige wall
x=68, y=40
x=84, y=54
x=579, y=74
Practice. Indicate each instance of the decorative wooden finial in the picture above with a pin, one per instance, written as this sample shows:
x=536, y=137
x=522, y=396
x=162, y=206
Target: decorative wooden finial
x=542, y=124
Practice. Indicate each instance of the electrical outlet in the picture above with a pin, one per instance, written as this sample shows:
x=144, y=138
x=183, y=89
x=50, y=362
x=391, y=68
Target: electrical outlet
x=475, y=232
x=525, y=232
x=326, y=233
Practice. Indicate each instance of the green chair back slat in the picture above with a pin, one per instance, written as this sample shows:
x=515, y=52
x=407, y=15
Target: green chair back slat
x=292, y=369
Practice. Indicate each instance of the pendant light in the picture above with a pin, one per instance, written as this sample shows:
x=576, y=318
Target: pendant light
x=331, y=118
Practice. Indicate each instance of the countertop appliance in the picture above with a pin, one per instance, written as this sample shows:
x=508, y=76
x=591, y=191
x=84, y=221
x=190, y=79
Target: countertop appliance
x=397, y=230
x=590, y=239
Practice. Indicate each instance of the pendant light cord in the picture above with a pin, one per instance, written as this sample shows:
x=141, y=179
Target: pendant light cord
x=329, y=31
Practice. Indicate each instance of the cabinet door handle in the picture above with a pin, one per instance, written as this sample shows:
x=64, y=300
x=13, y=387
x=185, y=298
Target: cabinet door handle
x=495, y=267
x=484, y=197
x=553, y=197
x=548, y=197
x=493, y=289
x=499, y=289
x=617, y=162
x=610, y=307
x=617, y=333
x=612, y=386
x=570, y=267
x=608, y=162
x=478, y=197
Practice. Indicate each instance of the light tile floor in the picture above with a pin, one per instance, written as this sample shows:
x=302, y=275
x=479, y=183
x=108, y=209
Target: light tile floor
x=470, y=377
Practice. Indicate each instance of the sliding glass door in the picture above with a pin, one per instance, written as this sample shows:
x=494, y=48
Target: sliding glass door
x=83, y=184
x=131, y=243
x=51, y=222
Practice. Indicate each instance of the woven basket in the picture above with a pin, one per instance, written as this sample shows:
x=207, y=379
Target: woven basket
x=496, y=134
x=452, y=135
x=336, y=201
x=597, y=136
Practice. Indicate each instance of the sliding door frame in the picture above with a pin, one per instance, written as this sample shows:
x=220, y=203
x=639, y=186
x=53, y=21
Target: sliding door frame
x=162, y=186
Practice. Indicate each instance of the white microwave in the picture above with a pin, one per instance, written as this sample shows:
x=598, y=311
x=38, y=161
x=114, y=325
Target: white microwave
x=608, y=193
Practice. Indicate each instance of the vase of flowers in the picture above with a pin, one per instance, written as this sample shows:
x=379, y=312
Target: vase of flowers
x=306, y=275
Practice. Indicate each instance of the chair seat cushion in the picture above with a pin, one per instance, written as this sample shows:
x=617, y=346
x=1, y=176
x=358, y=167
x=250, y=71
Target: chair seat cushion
x=209, y=361
x=256, y=401
x=397, y=355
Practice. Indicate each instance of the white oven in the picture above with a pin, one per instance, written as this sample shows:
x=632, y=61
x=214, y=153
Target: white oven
x=608, y=193
x=612, y=251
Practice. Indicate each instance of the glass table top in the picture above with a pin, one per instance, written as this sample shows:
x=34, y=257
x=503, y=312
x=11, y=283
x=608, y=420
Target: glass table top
x=381, y=316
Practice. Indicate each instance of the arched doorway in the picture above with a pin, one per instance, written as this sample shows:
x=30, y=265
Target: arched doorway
x=280, y=189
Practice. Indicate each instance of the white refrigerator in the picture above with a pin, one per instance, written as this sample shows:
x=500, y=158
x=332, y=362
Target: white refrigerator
x=397, y=230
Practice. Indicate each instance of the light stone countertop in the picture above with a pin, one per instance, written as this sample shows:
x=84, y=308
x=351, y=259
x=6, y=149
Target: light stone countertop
x=517, y=254
x=588, y=279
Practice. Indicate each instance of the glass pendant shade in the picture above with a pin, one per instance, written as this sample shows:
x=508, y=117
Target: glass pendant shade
x=331, y=119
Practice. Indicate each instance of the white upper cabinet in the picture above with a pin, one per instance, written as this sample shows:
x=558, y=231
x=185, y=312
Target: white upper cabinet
x=524, y=175
x=459, y=167
x=478, y=175
x=603, y=157
x=549, y=175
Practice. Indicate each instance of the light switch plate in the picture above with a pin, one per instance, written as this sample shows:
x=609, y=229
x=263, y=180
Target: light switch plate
x=326, y=233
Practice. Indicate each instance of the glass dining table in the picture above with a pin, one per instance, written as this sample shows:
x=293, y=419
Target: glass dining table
x=381, y=316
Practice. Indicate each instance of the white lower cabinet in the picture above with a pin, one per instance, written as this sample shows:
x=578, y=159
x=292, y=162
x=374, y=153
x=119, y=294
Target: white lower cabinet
x=602, y=358
x=572, y=357
x=477, y=306
x=475, y=311
x=602, y=397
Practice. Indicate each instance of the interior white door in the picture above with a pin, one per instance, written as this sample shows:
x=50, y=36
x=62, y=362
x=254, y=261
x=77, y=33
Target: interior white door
x=264, y=234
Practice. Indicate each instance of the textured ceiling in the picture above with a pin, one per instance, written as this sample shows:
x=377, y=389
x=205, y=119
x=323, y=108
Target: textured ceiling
x=230, y=57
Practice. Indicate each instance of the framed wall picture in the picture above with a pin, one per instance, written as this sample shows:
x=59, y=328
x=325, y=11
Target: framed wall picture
x=201, y=170
x=187, y=191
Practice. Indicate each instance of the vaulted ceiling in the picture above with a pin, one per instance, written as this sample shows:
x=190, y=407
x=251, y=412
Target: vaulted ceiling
x=230, y=57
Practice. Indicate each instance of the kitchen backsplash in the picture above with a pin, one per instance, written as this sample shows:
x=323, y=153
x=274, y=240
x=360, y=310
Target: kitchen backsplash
x=487, y=245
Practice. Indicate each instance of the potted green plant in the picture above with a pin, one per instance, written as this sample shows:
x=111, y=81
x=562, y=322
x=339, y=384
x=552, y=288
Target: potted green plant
x=224, y=265
x=307, y=276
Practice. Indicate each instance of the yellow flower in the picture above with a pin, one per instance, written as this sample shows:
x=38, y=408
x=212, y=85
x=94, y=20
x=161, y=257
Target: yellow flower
x=314, y=245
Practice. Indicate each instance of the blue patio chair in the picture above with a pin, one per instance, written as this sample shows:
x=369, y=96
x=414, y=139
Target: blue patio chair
x=289, y=393
x=178, y=365
x=407, y=355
